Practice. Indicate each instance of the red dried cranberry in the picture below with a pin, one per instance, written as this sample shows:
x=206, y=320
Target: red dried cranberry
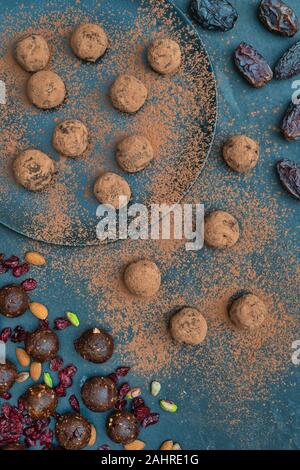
x=120, y=405
x=2, y=256
x=3, y=269
x=152, y=418
x=20, y=270
x=113, y=377
x=104, y=447
x=70, y=370
x=44, y=325
x=29, y=284
x=56, y=364
x=64, y=380
x=11, y=426
x=60, y=390
x=137, y=402
x=123, y=390
x=5, y=396
x=46, y=438
x=74, y=403
x=5, y=334
x=18, y=335
x=122, y=371
x=61, y=323
x=11, y=262
x=141, y=412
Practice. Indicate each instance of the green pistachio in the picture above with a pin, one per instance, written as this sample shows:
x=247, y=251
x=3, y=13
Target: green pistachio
x=72, y=317
x=48, y=379
x=168, y=405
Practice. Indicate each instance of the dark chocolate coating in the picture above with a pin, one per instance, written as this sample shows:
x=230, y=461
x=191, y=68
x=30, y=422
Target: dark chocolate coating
x=14, y=446
x=40, y=401
x=8, y=375
x=95, y=345
x=73, y=431
x=14, y=301
x=122, y=427
x=42, y=344
x=99, y=394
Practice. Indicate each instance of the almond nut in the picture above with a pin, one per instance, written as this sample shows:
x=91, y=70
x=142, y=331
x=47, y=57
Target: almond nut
x=22, y=357
x=167, y=445
x=35, y=371
x=38, y=310
x=93, y=437
x=34, y=258
x=135, y=445
x=22, y=377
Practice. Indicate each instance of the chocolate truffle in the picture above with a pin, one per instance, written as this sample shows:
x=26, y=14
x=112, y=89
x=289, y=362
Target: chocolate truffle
x=134, y=153
x=14, y=301
x=248, y=312
x=89, y=42
x=221, y=230
x=95, y=345
x=128, y=94
x=32, y=52
x=143, y=278
x=241, y=153
x=14, y=446
x=46, y=90
x=188, y=326
x=8, y=375
x=40, y=401
x=70, y=138
x=99, y=394
x=122, y=427
x=109, y=187
x=34, y=170
x=42, y=344
x=72, y=431
x=164, y=56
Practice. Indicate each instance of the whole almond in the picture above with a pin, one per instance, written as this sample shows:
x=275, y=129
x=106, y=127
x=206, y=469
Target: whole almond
x=167, y=445
x=135, y=445
x=32, y=257
x=22, y=377
x=93, y=437
x=35, y=371
x=22, y=357
x=38, y=310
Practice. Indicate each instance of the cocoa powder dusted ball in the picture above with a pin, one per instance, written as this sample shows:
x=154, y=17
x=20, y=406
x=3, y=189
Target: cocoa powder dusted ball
x=71, y=138
x=134, y=153
x=164, y=56
x=95, y=345
x=142, y=278
x=221, y=230
x=188, y=326
x=89, y=41
x=42, y=344
x=109, y=187
x=8, y=375
x=99, y=394
x=14, y=301
x=46, y=90
x=40, y=401
x=34, y=170
x=72, y=431
x=248, y=312
x=128, y=94
x=32, y=52
x=122, y=427
x=241, y=153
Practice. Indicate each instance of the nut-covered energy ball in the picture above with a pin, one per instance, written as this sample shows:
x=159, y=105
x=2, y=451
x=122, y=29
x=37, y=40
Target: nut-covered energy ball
x=72, y=431
x=128, y=94
x=40, y=401
x=241, y=153
x=42, y=344
x=14, y=301
x=46, y=90
x=248, y=312
x=188, y=326
x=122, y=427
x=221, y=230
x=32, y=52
x=8, y=375
x=134, y=153
x=89, y=42
x=71, y=138
x=164, y=56
x=109, y=187
x=143, y=278
x=99, y=394
x=95, y=345
x=34, y=170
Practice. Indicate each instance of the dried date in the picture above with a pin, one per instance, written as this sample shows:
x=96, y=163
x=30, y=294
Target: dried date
x=214, y=15
x=289, y=64
x=252, y=65
x=291, y=123
x=278, y=17
x=289, y=174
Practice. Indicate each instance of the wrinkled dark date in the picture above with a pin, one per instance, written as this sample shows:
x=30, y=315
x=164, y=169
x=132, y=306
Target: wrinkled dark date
x=215, y=15
x=252, y=65
x=289, y=174
x=291, y=122
x=278, y=17
x=289, y=64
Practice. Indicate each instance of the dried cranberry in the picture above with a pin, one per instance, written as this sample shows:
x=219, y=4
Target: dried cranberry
x=104, y=447
x=60, y=390
x=11, y=262
x=2, y=256
x=20, y=270
x=113, y=377
x=70, y=370
x=18, y=335
x=64, y=379
x=153, y=418
x=56, y=364
x=74, y=403
x=123, y=390
x=29, y=284
x=5, y=334
x=141, y=412
x=5, y=396
x=122, y=371
x=11, y=426
x=46, y=438
x=137, y=402
x=44, y=325
x=61, y=323
x=120, y=405
x=3, y=269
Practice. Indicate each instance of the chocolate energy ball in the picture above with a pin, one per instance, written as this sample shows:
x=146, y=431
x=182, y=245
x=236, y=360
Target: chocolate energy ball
x=71, y=138
x=40, y=401
x=188, y=326
x=14, y=301
x=32, y=52
x=164, y=56
x=42, y=344
x=134, y=153
x=72, y=431
x=221, y=230
x=89, y=42
x=109, y=187
x=122, y=427
x=143, y=278
x=128, y=94
x=248, y=312
x=14, y=446
x=8, y=375
x=95, y=345
x=99, y=394
x=46, y=90
x=34, y=170
x=241, y=153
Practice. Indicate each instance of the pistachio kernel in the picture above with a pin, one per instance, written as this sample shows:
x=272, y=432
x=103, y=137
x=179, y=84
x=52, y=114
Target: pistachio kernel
x=168, y=405
x=48, y=379
x=73, y=318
